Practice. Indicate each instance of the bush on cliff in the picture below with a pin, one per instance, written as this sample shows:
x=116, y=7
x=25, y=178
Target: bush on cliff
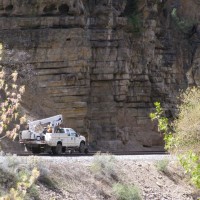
x=184, y=25
x=135, y=20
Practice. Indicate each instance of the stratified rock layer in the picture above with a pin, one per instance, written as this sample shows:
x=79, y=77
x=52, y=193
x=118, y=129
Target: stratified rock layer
x=94, y=70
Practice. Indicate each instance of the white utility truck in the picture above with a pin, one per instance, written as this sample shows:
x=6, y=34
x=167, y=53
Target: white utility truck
x=53, y=138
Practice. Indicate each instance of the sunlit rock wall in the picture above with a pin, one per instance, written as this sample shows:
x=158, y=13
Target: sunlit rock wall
x=92, y=67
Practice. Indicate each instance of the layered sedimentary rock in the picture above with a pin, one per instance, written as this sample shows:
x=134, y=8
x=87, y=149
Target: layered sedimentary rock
x=93, y=69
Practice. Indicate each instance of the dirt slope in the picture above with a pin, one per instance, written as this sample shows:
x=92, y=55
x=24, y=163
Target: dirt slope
x=95, y=179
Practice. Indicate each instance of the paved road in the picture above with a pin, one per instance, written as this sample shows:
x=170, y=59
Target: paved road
x=118, y=157
x=60, y=159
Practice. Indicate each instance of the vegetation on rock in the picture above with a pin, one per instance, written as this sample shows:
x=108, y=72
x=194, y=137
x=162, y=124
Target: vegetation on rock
x=134, y=17
x=183, y=25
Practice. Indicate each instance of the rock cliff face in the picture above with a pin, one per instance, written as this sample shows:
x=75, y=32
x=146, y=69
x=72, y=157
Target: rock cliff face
x=98, y=70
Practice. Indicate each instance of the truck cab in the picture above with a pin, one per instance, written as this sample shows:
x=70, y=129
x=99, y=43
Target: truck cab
x=67, y=137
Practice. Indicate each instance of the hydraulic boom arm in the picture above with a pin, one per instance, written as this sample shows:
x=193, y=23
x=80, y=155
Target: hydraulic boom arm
x=54, y=121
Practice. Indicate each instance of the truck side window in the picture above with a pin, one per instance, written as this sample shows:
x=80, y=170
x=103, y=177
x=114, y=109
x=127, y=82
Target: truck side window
x=68, y=133
x=62, y=130
x=73, y=133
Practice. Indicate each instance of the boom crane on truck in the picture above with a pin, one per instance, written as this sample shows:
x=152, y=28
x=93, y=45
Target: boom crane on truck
x=53, y=122
x=57, y=141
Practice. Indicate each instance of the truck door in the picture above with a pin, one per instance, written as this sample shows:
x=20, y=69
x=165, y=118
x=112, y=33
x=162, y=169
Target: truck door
x=64, y=136
x=73, y=137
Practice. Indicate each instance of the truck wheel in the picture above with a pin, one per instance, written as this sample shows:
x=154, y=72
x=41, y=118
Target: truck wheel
x=86, y=151
x=57, y=150
x=36, y=150
x=82, y=147
x=63, y=149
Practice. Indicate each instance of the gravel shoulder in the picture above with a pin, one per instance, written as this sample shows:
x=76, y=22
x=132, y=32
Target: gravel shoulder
x=93, y=177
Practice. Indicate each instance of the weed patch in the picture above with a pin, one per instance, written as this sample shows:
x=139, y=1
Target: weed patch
x=162, y=165
x=7, y=181
x=48, y=182
x=126, y=192
x=104, y=165
x=16, y=179
x=32, y=193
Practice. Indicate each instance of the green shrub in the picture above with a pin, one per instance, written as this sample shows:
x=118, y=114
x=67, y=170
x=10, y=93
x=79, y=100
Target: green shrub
x=187, y=123
x=185, y=140
x=191, y=163
x=48, y=182
x=126, y=192
x=19, y=192
x=16, y=180
x=104, y=164
x=32, y=193
x=162, y=165
x=163, y=125
x=7, y=180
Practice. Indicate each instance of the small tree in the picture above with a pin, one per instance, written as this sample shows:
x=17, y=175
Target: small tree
x=187, y=124
x=185, y=139
x=187, y=133
x=10, y=97
x=163, y=124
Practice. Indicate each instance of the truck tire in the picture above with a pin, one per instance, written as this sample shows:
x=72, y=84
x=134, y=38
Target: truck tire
x=57, y=150
x=63, y=149
x=36, y=150
x=82, y=147
x=86, y=151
